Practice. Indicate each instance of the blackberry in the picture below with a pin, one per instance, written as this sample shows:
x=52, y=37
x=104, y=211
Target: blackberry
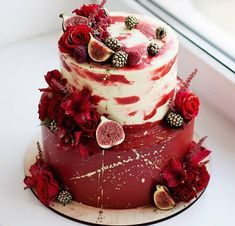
x=153, y=49
x=119, y=59
x=53, y=126
x=174, y=120
x=112, y=43
x=161, y=33
x=131, y=22
x=64, y=197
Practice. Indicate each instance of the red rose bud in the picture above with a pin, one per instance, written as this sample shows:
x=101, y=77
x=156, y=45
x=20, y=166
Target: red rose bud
x=183, y=193
x=134, y=58
x=187, y=103
x=80, y=54
x=74, y=36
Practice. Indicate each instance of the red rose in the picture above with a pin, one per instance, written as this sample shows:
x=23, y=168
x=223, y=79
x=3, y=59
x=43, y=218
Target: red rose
x=73, y=37
x=183, y=193
x=187, y=103
x=43, y=106
x=198, y=177
x=50, y=107
x=47, y=187
x=42, y=181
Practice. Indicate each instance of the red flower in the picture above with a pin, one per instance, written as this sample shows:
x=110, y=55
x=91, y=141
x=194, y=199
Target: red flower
x=74, y=36
x=187, y=103
x=42, y=181
x=183, y=193
x=195, y=155
x=198, y=177
x=89, y=127
x=173, y=173
x=50, y=107
x=78, y=106
x=56, y=82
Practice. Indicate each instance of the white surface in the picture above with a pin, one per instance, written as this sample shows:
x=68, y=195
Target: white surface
x=22, y=68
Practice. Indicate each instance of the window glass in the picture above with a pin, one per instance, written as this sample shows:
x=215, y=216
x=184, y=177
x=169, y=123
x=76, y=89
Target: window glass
x=211, y=21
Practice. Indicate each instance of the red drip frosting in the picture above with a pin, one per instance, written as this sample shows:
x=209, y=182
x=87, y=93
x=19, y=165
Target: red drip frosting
x=105, y=79
x=160, y=72
x=164, y=99
x=127, y=100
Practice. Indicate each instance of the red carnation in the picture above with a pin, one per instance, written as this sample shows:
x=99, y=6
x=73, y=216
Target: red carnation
x=198, y=177
x=78, y=106
x=187, y=103
x=74, y=36
x=174, y=173
x=42, y=181
x=183, y=193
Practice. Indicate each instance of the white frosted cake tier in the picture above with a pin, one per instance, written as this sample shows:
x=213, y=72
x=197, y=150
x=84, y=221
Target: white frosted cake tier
x=132, y=94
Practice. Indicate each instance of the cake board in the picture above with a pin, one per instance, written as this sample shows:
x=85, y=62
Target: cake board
x=96, y=216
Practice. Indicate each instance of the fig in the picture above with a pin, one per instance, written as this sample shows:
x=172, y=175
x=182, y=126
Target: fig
x=72, y=21
x=109, y=133
x=98, y=51
x=162, y=198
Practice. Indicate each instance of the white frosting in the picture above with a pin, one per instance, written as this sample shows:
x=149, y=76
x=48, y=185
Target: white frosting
x=150, y=92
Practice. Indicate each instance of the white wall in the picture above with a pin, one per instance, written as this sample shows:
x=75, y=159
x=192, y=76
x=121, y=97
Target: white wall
x=20, y=19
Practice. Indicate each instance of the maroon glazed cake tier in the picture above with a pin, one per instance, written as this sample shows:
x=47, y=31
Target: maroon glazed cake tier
x=121, y=177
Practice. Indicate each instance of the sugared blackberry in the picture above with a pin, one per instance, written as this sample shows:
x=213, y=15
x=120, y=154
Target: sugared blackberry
x=174, y=120
x=65, y=197
x=53, y=126
x=113, y=43
x=131, y=22
x=160, y=33
x=153, y=49
x=119, y=59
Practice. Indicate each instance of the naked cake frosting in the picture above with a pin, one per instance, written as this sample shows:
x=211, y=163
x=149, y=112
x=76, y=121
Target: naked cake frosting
x=117, y=122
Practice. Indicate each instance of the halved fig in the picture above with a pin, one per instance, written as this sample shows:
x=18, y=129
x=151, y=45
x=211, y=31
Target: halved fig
x=98, y=51
x=109, y=133
x=72, y=21
x=163, y=199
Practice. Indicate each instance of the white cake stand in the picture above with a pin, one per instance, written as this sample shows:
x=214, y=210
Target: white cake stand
x=96, y=216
